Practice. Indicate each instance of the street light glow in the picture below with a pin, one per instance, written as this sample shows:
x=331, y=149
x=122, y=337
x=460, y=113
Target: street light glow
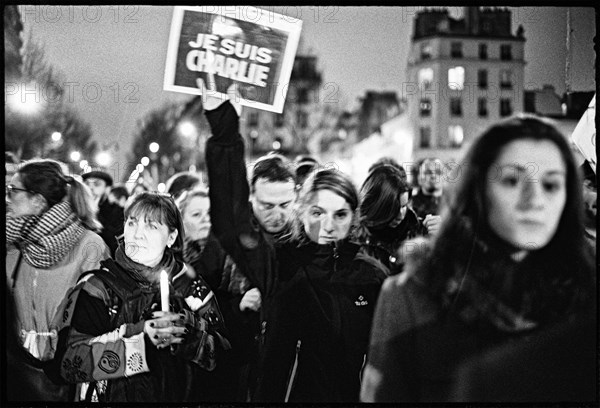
x=161, y=187
x=75, y=156
x=154, y=147
x=187, y=129
x=103, y=159
x=56, y=136
x=139, y=168
x=145, y=161
x=83, y=164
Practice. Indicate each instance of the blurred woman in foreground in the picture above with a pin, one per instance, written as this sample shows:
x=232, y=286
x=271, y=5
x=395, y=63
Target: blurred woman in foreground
x=510, y=261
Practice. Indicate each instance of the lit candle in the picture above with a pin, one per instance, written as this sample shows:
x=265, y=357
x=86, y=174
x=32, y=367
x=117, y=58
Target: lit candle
x=164, y=291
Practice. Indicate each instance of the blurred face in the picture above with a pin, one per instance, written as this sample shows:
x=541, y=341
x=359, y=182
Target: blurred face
x=430, y=176
x=526, y=193
x=327, y=218
x=404, y=203
x=590, y=198
x=146, y=240
x=20, y=203
x=97, y=186
x=196, y=218
x=272, y=203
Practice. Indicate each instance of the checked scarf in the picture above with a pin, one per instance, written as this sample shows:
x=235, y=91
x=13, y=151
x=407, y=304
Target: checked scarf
x=46, y=239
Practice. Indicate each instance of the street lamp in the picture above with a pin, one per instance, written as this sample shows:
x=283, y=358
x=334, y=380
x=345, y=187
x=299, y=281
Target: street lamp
x=145, y=161
x=187, y=129
x=56, y=136
x=154, y=147
x=103, y=159
x=75, y=156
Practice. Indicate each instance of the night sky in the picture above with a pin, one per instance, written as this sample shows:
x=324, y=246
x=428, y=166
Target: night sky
x=122, y=49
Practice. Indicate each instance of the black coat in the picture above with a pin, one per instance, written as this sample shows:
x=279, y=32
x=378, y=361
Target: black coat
x=319, y=295
x=112, y=218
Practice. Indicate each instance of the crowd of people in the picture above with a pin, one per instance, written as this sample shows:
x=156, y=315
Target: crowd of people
x=292, y=284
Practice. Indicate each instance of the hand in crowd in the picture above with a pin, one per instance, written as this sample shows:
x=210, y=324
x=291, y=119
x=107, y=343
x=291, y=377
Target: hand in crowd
x=432, y=223
x=165, y=329
x=251, y=300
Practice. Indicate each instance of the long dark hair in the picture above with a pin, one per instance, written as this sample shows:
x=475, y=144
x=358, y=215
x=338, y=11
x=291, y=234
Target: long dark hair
x=46, y=177
x=380, y=195
x=564, y=262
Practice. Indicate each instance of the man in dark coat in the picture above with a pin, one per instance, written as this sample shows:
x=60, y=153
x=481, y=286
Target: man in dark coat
x=110, y=215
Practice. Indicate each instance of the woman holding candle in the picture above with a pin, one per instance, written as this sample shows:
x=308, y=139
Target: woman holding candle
x=114, y=335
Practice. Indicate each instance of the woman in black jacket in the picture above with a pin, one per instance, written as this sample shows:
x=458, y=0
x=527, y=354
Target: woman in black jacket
x=116, y=338
x=386, y=220
x=318, y=291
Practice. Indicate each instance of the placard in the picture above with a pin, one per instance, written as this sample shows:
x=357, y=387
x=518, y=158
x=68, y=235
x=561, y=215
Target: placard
x=224, y=45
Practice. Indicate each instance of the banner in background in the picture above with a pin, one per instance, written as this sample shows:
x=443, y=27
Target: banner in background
x=584, y=135
x=224, y=45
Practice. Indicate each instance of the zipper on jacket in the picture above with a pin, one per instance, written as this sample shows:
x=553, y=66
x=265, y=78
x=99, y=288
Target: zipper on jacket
x=336, y=256
x=293, y=372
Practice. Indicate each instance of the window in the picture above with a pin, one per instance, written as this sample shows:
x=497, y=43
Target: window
x=505, y=107
x=301, y=119
x=505, y=52
x=302, y=95
x=425, y=107
x=482, y=78
x=253, y=119
x=425, y=51
x=456, y=50
x=456, y=78
x=456, y=135
x=425, y=77
x=482, y=109
x=505, y=79
x=455, y=107
x=425, y=137
x=483, y=51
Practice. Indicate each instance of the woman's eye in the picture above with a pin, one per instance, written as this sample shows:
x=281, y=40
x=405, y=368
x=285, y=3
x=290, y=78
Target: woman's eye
x=130, y=223
x=154, y=226
x=510, y=181
x=341, y=216
x=551, y=186
x=316, y=213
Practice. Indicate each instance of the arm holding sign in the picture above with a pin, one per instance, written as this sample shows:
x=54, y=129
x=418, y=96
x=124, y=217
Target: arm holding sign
x=231, y=215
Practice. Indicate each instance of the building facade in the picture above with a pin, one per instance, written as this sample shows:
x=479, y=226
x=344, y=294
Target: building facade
x=288, y=132
x=463, y=75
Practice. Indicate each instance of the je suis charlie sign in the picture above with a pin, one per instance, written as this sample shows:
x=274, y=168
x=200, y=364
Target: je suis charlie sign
x=220, y=45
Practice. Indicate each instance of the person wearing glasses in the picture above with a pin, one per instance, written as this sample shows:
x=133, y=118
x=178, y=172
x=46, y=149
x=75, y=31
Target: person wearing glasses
x=130, y=335
x=50, y=242
x=318, y=291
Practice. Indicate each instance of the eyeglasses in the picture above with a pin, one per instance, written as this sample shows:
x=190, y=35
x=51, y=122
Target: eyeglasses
x=10, y=189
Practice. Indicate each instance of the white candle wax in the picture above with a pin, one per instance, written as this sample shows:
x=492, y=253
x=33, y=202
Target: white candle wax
x=164, y=291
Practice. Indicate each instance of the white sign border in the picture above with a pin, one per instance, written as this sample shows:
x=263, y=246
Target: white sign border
x=266, y=18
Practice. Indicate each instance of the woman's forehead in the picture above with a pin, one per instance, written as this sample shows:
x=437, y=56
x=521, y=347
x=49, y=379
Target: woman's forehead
x=328, y=200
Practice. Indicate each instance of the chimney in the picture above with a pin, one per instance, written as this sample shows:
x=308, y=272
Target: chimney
x=471, y=16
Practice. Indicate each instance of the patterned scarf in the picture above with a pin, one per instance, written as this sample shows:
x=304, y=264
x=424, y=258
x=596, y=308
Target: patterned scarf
x=44, y=240
x=148, y=277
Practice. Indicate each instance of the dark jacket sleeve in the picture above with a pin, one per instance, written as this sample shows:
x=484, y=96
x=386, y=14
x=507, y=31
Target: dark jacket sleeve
x=230, y=209
x=392, y=366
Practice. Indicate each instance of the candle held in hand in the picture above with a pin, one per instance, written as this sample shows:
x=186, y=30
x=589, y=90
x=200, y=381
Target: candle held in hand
x=164, y=291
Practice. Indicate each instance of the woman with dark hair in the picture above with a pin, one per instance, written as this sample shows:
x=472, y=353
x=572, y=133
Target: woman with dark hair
x=50, y=242
x=114, y=335
x=385, y=219
x=510, y=262
x=318, y=291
